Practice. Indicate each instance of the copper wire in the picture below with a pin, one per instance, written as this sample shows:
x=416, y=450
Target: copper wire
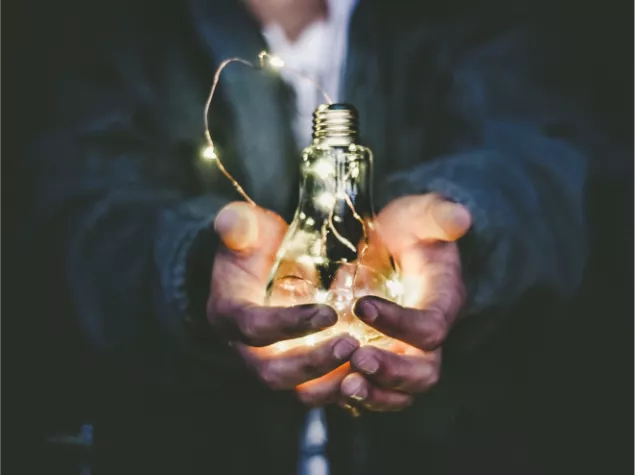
x=208, y=136
x=264, y=54
x=262, y=65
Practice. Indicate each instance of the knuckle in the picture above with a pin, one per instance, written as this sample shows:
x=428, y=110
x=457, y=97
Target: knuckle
x=251, y=328
x=430, y=378
x=434, y=377
x=214, y=312
x=405, y=402
x=270, y=377
x=398, y=403
x=434, y=331
x=393, y=376
x=309, y=398
x=314, y=365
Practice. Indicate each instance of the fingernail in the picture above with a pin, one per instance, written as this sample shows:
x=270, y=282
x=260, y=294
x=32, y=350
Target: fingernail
x=354, y=387
x=366, y=311
x=344, y=349
x=323, y=319
x=368, y=364
x=461, y=216
x=225, y=220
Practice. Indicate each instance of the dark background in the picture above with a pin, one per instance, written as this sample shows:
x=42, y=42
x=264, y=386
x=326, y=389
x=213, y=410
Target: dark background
x=586, y=408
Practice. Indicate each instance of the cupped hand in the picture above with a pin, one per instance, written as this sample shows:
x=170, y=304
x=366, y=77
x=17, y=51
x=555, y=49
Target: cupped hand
x=250, y=238
x=420, y=233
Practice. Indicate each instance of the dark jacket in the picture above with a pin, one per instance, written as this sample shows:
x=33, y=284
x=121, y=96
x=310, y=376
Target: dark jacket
x=464, y=103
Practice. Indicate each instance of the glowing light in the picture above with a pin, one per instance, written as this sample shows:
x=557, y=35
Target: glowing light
x=275, y=62
x=305, y=260
x=310, y=261
x=395, y=287
x=313, y=249
x=323, y=169
x=208, y=153
x=326, y=200
x=321, y=296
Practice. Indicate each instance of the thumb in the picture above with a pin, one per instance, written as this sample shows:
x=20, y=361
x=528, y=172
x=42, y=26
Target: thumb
x=237, y=226
x=445, y=220
x=251, y=236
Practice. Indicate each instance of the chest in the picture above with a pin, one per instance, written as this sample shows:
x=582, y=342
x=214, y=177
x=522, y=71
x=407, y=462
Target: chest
x=399, y=79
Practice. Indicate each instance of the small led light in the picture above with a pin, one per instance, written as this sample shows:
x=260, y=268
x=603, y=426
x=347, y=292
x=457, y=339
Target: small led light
x=305, y=260
x=321, y=296
x=395, y=287
x=208, y=153
x=310, y=261
x=275, y=62
x=323, y=169
x=310, y=221
x=326, y=200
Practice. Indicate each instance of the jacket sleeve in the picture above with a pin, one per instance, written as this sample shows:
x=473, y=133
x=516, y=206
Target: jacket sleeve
x=122, y=241
x=511, y=152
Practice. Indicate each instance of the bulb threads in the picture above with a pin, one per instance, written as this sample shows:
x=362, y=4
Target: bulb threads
x=335, y=124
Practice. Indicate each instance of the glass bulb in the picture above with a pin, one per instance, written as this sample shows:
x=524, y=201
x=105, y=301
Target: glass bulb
x=332, y=252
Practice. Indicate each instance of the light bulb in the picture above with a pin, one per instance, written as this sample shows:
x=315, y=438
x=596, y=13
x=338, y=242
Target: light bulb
x=332, y=253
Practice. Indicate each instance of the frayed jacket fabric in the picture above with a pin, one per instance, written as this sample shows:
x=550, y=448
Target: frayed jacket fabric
x=469, y=106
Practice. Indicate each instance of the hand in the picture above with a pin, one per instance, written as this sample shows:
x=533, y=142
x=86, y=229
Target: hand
x=250, y=239
x=420, y=232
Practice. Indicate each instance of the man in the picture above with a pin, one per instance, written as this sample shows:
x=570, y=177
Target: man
x=156, y=275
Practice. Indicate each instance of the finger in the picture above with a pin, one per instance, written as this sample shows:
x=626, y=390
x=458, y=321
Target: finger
x=325, y=390
x=444, y=220
x=262, y=326
x=251, y=238
x=410, y=373
x=237, y=225
x=299, y=365
x=423, y=329
x=407, y=221
x=358, y=389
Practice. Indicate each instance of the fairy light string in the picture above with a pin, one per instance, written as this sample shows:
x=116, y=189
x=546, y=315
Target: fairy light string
x=271, y=62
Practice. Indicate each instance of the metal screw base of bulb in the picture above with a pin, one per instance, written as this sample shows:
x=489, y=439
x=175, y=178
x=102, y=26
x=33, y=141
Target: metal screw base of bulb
x=335, y=124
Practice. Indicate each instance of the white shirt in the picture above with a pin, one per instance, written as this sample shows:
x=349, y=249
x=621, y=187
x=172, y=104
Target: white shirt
x=319, y=52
